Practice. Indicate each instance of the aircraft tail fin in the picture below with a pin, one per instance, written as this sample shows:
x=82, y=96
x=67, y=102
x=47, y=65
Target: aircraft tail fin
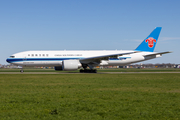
x=149, y=43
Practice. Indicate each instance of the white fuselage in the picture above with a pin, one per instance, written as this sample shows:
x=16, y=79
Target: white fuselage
x=55, y=58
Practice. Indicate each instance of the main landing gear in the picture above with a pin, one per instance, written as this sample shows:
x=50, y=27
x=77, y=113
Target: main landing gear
x=85, y=70
x=88, y=71
x=21, y=70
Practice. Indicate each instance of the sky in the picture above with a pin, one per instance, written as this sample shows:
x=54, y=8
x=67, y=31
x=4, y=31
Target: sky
x=88, y=25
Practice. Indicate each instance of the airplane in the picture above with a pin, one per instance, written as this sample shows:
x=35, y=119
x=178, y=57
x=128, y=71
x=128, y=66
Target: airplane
x=73, y=60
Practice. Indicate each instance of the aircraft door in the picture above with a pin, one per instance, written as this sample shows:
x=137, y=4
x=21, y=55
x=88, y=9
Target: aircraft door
x=24, y=58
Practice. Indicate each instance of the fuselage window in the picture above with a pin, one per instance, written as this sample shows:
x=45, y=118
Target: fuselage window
x=28, y=54
x=32, y=55
x=46, y=54
x=39, y=54
x=36, y=55
x=43, y=54
x=12, y=56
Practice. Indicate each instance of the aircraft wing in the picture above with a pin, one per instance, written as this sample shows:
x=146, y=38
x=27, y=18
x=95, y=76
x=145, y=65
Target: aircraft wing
x=97, y=59
x=160, y=53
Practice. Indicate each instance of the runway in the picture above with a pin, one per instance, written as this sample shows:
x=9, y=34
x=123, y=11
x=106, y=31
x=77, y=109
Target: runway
x=86, y=73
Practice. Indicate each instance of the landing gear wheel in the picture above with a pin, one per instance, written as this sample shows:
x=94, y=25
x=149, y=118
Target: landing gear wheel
x=21, y=71
x=81, y=71
x=95, y=71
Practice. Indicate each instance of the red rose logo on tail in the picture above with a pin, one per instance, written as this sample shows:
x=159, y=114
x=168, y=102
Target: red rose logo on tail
x=150, y=41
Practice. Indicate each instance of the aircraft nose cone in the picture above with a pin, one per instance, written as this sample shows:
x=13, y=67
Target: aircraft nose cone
x=8, y=60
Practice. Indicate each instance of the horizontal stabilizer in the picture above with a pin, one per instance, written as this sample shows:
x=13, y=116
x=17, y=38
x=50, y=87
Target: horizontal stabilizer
x=157, y=53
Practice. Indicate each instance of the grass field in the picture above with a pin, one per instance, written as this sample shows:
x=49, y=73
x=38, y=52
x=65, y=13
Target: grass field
x=90, y=96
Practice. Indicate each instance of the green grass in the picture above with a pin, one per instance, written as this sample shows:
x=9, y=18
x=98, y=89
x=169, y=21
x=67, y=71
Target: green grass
x=90, y=96
x=140, y=70
x=99, y=70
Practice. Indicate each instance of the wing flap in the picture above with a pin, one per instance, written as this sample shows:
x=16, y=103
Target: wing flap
x=103, y=57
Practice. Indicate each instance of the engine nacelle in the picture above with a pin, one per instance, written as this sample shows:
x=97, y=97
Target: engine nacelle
x=58, y=68
x=69, y=65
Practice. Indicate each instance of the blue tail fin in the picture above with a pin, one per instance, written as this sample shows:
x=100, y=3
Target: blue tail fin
x=150, y=42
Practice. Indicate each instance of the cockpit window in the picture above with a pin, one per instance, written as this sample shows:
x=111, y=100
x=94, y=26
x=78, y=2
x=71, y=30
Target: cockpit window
x=12, y=56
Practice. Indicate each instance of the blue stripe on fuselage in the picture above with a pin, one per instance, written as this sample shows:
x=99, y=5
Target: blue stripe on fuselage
x=12, y=60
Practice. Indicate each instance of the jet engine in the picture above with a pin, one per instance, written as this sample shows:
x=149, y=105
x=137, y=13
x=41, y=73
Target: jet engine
x=69, y=65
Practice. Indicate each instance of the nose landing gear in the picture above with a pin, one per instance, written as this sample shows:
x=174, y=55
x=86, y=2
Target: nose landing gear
x=21, y=70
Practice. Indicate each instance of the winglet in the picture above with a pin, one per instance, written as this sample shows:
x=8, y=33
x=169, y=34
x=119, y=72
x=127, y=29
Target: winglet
x=149, y=43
